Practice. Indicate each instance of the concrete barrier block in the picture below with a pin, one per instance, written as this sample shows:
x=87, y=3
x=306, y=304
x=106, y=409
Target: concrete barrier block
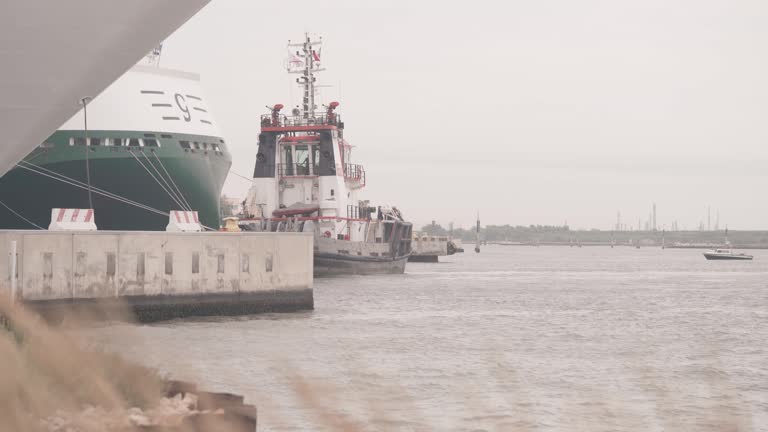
x=72, y=220
x=183, y=221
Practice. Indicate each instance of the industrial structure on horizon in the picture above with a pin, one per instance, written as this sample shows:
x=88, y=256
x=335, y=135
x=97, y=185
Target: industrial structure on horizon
x=652, y=224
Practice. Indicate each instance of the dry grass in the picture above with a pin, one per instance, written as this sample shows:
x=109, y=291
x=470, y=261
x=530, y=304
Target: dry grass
x=45, y=371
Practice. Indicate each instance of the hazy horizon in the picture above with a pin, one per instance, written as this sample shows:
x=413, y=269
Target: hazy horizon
x=528, y=112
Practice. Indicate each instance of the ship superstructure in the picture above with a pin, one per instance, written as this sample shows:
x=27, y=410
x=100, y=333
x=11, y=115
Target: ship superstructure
x=305, y=180
x=145, y=146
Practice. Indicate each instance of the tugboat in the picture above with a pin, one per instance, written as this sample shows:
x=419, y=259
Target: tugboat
x=304, y=181
x=726, y=253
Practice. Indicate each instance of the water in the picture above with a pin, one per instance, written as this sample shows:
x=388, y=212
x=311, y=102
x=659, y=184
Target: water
x=513, y=338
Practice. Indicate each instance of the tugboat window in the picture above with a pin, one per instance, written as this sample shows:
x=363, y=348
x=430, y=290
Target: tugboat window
x=287, y=160
x=150, y=142
x=315, y=159
x=184, y=144
x=94, y=141
x=134, y=142
x=117, y=142
x=302, y=160
x=78, y=141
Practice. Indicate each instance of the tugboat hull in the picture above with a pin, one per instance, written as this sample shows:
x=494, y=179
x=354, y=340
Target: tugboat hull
x=341, y=257
x=335, y=265
x=727, y=257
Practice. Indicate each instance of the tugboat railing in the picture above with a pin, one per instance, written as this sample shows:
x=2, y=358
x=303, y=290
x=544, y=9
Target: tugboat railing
x=351, y=171
x=319, y=119
x=294, y=170
x=355, y=172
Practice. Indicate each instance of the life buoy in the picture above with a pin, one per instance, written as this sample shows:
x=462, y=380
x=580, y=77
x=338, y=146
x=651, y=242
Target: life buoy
x=327, y=234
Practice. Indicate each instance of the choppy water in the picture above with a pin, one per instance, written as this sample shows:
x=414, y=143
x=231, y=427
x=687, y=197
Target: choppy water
x=513, y=338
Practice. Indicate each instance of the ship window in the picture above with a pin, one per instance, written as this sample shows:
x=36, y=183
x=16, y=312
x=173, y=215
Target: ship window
x=315, y=159
x=215, y=147
x=166, y=136
x=196, y=145
x=47, y=145
x=149, y=135
x=115, y=142
x=78, y=141
x=287, y=160
x=150, y=142
x=205, y=146
x=302, y=160
x=184, y=144
x=94, y=141
x=134, y=142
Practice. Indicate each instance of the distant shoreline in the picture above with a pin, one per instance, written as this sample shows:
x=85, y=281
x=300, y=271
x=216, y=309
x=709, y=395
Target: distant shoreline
x=562, y=236
x=607, y=244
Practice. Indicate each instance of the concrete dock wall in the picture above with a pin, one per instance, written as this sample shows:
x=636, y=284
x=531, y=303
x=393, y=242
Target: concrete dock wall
x=162, y=274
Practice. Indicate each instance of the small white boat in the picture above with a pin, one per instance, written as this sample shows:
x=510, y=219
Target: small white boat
x=725, y=254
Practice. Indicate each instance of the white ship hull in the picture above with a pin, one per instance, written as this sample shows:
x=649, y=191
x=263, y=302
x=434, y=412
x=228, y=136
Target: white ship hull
x=54, y=53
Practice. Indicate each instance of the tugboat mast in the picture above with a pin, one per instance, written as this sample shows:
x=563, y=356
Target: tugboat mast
x=310, y=60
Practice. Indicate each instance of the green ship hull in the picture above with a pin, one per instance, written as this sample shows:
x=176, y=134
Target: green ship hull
x=151, y=175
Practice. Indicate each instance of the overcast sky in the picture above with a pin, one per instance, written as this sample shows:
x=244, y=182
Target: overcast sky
x=532, y=112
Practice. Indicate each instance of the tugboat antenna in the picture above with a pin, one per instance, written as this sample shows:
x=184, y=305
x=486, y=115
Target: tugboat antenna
x=306, y=62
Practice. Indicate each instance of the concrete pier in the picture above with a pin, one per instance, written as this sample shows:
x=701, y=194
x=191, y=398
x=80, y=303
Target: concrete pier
x=160, y=275
x=428, y=248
